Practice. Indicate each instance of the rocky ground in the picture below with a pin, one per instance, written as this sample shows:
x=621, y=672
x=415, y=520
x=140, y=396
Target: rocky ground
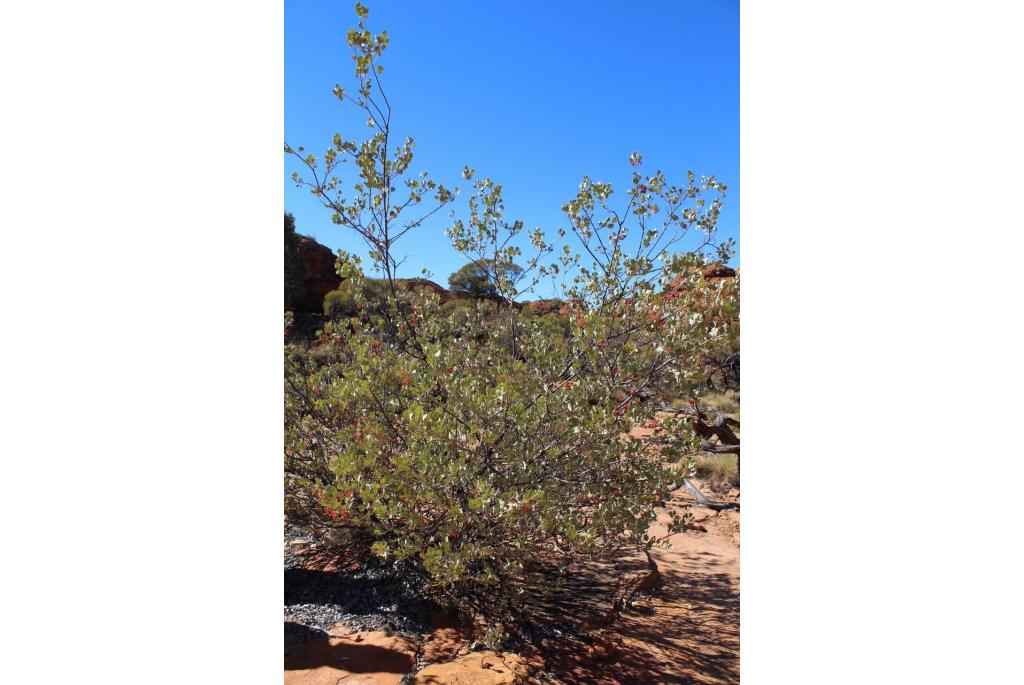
x=363, y=623
x=370, y=595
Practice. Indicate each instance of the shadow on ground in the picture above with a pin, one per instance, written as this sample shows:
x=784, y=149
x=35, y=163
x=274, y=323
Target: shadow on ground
x=348, y=657
x=367, y=599
x=685, y=632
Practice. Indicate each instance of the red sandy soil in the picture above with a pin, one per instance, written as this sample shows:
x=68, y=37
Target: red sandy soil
x=686, y=630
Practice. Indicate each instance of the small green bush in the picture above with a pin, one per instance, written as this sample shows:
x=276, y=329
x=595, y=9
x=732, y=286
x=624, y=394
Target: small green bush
x=344, y=302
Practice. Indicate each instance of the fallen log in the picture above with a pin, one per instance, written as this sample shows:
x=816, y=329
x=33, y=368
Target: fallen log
x=720, y=420
x=703, y=501
x=718, y=428
x=716, y=448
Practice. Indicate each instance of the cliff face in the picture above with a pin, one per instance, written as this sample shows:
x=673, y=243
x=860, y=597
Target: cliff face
x=321, y=277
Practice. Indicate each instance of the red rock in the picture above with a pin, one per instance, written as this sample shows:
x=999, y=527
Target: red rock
x=321, y=277
x=603, y=650
x=475, y=668
x=371, y=658
x=700, y=514
x=417, y=283
x=446, y=640
x=711, y=272
x=550, y=306
x=718, y=271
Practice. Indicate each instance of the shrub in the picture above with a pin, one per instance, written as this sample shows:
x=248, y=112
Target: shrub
x=343, y=301
x=481, y=443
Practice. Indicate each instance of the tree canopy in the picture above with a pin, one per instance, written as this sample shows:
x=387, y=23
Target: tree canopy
x=486, y=278
x=294, y=265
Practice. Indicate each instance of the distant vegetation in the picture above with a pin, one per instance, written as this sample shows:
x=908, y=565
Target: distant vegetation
x=484, y=279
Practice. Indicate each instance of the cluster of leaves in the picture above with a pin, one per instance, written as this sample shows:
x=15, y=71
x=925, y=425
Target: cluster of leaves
x=480, y=442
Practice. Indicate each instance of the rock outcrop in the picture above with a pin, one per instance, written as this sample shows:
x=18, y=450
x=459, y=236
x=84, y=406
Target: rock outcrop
x=410, y=283
x=712, y=271
x=551, y=306
x=476, y=668
x=370, y=658
x=321, y=277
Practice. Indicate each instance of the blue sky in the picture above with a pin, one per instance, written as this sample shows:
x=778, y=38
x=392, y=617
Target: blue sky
x=534, y=94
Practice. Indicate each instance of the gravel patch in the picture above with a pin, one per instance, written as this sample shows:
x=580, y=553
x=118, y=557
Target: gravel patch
x=296, y=634
x=381, y=595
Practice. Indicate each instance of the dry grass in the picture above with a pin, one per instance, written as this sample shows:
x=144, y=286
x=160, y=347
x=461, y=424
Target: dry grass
x=717, y=468
x=720, y=470
x=725, y=402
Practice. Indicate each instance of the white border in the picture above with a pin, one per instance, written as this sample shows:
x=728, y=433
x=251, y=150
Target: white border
x=881, y=158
